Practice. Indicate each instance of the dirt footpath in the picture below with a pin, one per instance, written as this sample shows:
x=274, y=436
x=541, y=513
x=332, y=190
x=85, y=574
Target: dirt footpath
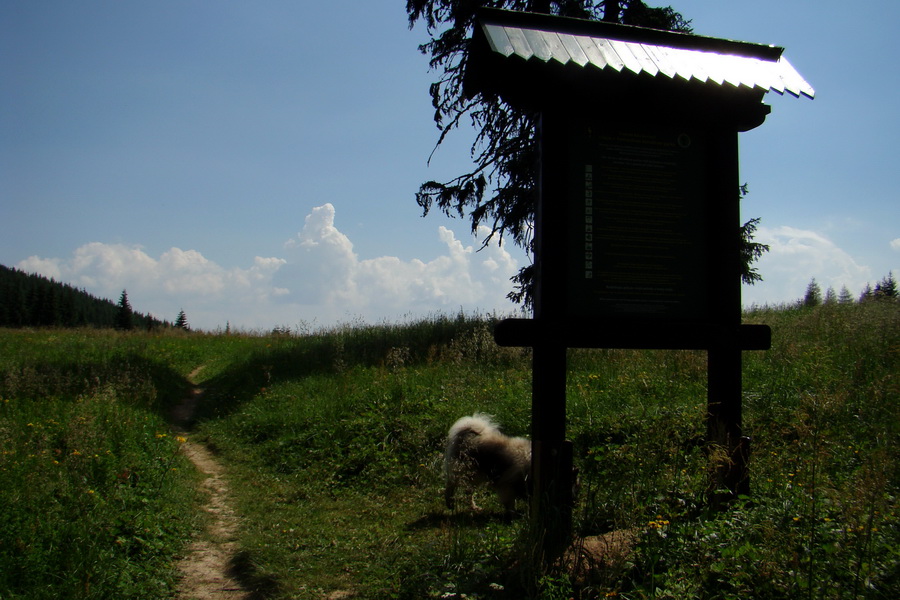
x=205, y=568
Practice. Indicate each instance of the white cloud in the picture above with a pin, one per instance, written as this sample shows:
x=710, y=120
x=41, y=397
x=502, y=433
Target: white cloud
x=321, y=263
x=795, y=257
x=895, y=244
x=324, y=271
x=320, y=279
x=163, y=286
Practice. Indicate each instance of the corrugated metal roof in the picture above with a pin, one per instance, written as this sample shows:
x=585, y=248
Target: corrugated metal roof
x=715, y=66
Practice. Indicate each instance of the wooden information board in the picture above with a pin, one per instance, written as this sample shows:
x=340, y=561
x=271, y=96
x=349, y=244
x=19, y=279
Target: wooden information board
x=637, y=216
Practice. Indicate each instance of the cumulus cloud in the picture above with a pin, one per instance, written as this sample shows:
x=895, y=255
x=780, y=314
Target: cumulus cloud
x=323, y=269
x=895, y=244
x=321, y=262
x=161, y=286
x=320, y=279
x=794, y=258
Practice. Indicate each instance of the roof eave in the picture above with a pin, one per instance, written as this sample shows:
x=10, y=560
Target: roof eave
x=538, y=61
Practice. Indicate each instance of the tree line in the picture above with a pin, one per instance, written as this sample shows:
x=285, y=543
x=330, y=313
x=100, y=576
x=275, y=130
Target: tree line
x=886, y=289
x=29, y=300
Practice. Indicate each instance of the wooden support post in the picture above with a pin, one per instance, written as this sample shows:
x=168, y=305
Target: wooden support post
x=551, y=460
x=729, y=448
x=552, y=502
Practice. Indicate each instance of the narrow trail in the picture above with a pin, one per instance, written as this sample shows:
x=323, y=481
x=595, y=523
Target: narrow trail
x=205, y=572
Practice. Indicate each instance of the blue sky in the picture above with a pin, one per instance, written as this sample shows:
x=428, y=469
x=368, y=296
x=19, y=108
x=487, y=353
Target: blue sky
x=256, y=162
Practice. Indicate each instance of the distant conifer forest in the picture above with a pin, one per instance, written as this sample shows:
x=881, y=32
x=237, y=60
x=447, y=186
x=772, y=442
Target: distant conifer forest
x=28, y=300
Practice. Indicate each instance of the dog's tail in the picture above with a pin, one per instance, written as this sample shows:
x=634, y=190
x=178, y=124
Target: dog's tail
x=465, y=428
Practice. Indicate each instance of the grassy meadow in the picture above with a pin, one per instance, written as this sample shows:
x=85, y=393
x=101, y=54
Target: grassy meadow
x=333, y=444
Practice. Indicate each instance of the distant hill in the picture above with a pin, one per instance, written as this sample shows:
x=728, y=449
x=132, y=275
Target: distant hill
x=28, y=300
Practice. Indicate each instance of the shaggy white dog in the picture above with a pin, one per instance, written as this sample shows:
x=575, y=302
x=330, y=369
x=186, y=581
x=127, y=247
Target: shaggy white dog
x=477, y=453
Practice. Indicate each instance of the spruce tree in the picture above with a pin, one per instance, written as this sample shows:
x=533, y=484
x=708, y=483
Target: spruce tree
x=750, y=251
x=124, y=315
x=867, y=293
x=813, y=296
x=845, y=297
x=886, y=289
x=181, y=321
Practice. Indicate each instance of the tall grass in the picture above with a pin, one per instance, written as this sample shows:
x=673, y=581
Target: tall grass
x=333, y=441
x=95, y=500
x=338, y=442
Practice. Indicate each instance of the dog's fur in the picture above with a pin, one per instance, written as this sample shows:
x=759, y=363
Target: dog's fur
x=477, y=453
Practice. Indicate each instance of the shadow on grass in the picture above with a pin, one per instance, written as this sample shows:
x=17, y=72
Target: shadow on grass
x=139, y=381
x=330, y=354
x=259, y=587
x=467, y=519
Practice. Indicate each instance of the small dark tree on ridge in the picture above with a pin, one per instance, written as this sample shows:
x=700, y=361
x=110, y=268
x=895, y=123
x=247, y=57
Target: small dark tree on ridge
x=181, y=321
x=124, y=314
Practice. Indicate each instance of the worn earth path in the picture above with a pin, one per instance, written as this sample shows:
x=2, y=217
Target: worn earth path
x=205, y=571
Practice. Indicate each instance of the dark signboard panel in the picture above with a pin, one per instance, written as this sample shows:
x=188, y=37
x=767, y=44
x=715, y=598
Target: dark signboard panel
x=637, y=241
